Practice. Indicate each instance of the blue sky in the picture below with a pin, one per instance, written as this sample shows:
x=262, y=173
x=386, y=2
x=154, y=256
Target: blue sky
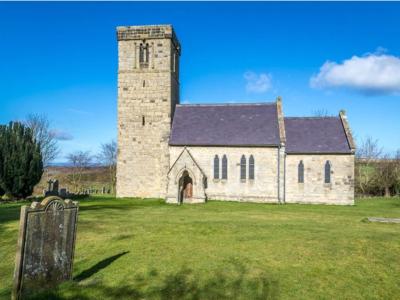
x=61, y=59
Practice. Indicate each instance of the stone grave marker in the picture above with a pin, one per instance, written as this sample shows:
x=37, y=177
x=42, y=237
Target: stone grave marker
x=46, y=245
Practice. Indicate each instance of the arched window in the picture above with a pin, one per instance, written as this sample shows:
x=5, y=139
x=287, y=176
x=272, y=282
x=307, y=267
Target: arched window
x=147, y=53
x=216, y=167
x=251, y=167
x=224, y=167
x=144, y=54
x=243, y=168
x=300, y=172
x=328, y=172
x=141, y=53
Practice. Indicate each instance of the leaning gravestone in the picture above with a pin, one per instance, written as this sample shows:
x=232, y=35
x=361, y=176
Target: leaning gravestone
x=46, y=245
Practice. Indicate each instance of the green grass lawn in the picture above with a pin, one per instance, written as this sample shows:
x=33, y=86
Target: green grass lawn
x=145, y=249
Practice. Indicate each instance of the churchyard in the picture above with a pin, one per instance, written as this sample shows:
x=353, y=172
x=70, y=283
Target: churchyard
x=146, y=249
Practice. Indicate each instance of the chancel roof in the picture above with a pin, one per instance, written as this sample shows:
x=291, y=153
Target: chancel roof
x=225, y=125
x=315, y=135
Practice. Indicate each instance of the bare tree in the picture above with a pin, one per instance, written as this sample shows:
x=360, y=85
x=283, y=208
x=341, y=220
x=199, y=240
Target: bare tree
x=367, y=155
x=369, y=150
x=108, y=157
x=387, y=173
x=80, y=161
x=40, y=125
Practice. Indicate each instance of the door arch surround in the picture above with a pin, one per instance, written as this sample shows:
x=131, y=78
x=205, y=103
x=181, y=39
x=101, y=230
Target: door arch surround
x=185, y=187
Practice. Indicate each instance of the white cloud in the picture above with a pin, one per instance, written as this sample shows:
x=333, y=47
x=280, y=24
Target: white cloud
x=373, y=73
x=257, y=83
x=61, y=135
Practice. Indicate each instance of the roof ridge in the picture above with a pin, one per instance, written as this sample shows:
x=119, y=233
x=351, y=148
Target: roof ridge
x=228, y=104
x=313, y=118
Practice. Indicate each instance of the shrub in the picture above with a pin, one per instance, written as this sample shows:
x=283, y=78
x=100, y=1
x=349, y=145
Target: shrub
x=21, y=164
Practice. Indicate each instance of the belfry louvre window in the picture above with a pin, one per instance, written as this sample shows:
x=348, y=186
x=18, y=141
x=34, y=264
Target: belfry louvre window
x=328, y=172
x=144, y=55
x=224, y=167
x=251, y=167
x=216, y=167
x=243, y=168
x=300, y=172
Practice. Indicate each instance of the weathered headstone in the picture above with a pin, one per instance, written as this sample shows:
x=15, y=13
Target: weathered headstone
x=45, y=246
x=63, y=193
x=55, y=187
x=52, y=189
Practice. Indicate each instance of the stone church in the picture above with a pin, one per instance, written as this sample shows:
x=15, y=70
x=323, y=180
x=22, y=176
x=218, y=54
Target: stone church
x=233, y=152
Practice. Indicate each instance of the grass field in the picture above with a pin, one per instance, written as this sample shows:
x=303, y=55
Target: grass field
x=145, y=249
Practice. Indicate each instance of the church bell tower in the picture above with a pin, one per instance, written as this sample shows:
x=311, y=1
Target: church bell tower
x=148, y=91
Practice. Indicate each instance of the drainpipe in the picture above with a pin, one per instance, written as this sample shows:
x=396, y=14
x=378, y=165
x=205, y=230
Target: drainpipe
x=284, y=177
x=279, y=174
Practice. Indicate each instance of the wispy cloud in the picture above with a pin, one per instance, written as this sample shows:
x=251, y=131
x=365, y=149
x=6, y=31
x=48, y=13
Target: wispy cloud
x=61, y=135
x=257, y=83
x=373, y=74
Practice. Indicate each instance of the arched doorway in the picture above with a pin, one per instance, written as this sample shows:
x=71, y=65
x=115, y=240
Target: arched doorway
x=185, y=187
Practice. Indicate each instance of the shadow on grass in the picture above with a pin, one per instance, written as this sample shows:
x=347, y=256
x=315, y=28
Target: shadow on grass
x=10, y=213
x=234, y=281
x=99, y=266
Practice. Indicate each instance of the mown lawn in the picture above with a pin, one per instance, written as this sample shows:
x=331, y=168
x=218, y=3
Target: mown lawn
x=145, y=249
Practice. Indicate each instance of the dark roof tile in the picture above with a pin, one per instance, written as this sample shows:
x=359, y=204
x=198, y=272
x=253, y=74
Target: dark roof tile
x=225, y=125
x=315, y=135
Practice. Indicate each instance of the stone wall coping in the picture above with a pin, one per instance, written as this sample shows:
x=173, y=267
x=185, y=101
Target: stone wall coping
x=347, y=130
x=143, y=32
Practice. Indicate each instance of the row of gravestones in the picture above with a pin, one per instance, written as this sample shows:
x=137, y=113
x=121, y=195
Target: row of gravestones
x=103, y=190
x=54, y=190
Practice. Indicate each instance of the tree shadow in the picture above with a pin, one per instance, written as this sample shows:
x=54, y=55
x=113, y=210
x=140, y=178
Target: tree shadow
x=99, y=266
x=233, y=281
x=10, y=213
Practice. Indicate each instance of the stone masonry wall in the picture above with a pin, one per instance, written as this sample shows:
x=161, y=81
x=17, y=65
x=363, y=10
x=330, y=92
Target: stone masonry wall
x=146, y=101
x=314, y=190
x=264, y=188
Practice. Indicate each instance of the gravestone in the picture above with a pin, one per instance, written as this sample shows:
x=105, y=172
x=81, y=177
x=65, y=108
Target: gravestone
x=46, y=245
x=52, y=189
x=63, y=193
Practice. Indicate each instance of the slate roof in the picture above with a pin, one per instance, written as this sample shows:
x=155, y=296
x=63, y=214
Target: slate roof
x=225, y=125
x=315, y=135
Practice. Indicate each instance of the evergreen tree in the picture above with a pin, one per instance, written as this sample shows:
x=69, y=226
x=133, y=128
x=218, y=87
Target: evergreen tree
x=21, y=164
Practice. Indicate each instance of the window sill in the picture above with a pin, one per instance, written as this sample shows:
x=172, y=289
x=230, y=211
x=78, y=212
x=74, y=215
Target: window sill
x=215, y=180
